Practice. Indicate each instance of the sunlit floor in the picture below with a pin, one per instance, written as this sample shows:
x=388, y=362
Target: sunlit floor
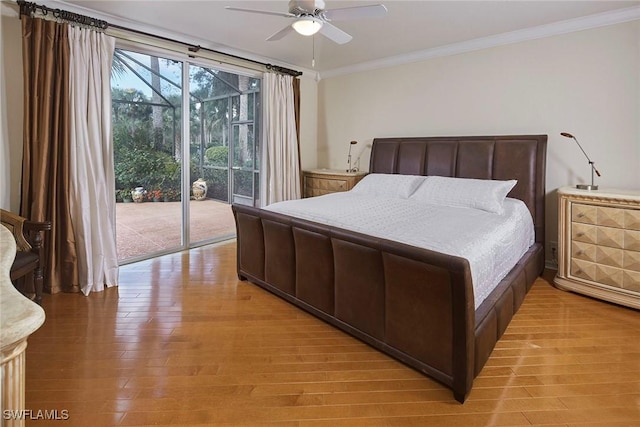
x=182, y=342
x=146, y=228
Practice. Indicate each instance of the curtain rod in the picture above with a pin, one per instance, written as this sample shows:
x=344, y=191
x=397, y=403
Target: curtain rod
x=29, y=8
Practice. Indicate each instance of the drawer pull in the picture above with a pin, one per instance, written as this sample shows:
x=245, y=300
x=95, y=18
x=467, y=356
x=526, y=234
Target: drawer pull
x=579, y=271
x=581, y=215
x=580, y=252
x=580, y=234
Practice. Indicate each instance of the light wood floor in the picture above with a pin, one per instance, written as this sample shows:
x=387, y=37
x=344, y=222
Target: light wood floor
x=182, y=342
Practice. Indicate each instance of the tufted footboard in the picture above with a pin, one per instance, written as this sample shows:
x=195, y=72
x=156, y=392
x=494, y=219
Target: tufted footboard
x=413, y=304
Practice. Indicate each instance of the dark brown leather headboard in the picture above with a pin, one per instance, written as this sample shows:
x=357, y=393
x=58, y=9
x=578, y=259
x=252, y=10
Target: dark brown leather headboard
x=520, y=157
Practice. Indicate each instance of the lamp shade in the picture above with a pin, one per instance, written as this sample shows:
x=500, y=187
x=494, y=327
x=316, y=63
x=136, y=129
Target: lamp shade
x=307, y=25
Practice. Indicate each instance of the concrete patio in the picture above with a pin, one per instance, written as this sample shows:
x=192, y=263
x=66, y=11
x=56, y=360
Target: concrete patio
x=150, y=227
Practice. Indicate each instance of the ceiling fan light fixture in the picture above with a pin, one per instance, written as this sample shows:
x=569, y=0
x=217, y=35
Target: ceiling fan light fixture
x=307, y=25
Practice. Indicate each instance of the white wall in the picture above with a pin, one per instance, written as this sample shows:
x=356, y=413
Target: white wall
x=586, y=83
x=11, y=109
x=308, y=122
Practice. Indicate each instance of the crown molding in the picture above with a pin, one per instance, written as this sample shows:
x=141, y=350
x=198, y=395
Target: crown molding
x=561, y=27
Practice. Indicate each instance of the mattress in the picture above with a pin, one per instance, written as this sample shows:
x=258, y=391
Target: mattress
x=491, y=243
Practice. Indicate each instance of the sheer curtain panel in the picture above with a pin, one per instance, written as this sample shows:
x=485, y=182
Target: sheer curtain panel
x=281, y=177
x=91, y=152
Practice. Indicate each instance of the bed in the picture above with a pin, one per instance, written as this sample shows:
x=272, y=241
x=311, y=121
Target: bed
x=414, y=304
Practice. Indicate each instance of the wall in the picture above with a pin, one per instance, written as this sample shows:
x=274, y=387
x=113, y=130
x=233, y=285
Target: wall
x=11, y=108
x=308, y=122
x=586, y=83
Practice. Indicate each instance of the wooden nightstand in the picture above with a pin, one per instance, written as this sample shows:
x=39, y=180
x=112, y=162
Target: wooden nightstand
x=599, y=244
x=317, y=182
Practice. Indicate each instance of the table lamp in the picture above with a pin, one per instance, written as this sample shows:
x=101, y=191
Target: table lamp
x=593, y=168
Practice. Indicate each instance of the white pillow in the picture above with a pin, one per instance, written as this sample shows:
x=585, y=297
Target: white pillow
x=388, y=185
x=484, y=194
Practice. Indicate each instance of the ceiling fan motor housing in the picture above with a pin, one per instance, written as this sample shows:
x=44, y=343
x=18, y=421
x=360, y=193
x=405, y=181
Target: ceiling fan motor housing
x=306, y=7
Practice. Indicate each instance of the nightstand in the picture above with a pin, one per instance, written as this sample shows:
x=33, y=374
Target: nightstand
x=599, y=244
x=317, y=182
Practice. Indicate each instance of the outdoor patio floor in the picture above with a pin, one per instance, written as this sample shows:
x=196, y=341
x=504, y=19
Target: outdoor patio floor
x=148, y=227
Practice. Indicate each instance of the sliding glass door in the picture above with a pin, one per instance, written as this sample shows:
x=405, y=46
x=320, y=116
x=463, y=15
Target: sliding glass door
x=177, y=175
x=245, y=152
x=146, y=108
x=223, y=149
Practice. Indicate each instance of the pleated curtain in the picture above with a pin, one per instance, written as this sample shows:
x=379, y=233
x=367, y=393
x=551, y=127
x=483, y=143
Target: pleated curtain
x=91, y=150
x=281, y=159
x=45, y=159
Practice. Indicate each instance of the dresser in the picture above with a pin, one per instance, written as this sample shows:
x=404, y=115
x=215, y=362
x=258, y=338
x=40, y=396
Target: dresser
x=599, y=244
x=317, y=182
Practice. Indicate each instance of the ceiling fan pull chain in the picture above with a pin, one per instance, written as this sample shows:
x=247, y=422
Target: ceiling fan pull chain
x=313, y=43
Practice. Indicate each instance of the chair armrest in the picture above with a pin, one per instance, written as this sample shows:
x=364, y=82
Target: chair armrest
x=15, y=224
x=28, y=234
x=34, y=232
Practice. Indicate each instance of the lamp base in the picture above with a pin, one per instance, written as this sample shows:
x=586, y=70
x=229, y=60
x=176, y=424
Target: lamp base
x=587, y=187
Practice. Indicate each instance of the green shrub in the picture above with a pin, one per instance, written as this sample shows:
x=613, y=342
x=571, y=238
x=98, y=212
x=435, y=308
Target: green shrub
x=146, y=168
x=217, y=156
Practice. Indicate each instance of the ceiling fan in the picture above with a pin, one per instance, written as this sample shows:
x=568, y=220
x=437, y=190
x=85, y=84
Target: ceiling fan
x=311, y=17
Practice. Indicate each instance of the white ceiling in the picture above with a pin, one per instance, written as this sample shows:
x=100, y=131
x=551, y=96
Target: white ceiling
x=409, y=27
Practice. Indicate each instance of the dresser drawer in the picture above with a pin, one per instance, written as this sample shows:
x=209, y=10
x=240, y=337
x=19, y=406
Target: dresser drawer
x=609, y=217
x=319, y=182
x=329, y=185
x=599, y=244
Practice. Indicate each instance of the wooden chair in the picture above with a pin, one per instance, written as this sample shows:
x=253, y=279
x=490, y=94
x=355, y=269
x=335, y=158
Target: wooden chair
x=29, y=259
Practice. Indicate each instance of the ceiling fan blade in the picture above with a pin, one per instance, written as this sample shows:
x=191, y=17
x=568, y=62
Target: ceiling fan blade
x=356, y=12
x=280, y=34
x=334, y=33
x=262, y=12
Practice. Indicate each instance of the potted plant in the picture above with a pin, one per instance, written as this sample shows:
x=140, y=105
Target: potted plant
x=171, y=195
x=123, y=195
x=155, y=195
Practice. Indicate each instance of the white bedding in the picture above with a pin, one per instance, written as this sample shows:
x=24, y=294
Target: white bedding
x=492, y=243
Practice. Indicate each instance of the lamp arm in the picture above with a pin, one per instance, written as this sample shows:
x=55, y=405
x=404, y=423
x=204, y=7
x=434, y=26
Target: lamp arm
x=583, y=152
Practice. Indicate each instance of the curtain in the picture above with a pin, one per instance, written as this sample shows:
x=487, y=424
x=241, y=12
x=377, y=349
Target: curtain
x=45, y=164
x=91, y=155
x=281, y=174
x=296, y=109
